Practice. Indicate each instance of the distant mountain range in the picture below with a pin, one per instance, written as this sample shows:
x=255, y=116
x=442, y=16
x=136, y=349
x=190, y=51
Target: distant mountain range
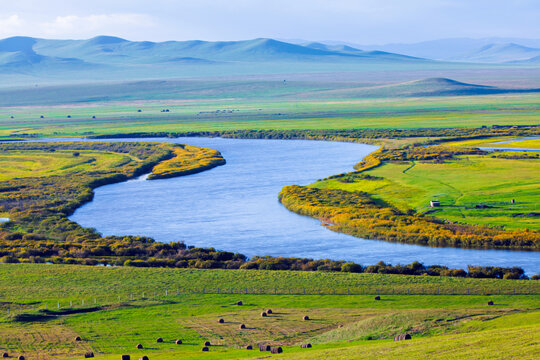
x=488, y=50
x=106, y=50
x=26, y=60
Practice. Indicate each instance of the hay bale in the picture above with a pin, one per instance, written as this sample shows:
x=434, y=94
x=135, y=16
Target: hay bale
x=400, y=337
x=178, y=342
x=4, y=355
x=305, y=346
x=89, y=355
x=205, y=348
x=139, y=346
x=306, y=318
x=159, y=340
x=221, y=321
x=126, y=357
x=207, y=343
x=276, y=350
x=143, y=357
x=377, y=297
x=269, y=311
x=242, y=326
x=264, y=314
x=249, y=347
x=490, y=302
x=239, y=303
x=21, y=357
x=264, y=347
x=78, y=338
x=340, y=326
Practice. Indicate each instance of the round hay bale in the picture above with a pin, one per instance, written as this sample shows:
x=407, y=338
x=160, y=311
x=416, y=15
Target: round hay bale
x=239, y=303
x=264, y=347
x=205, y=348
x=207, y=343
x=221, y=321
x=89, y=355
x=377, y=297
x=143, y=357
x=78, y=338
x=490, y=302
x=126, y=357
x=340, y=325
x=264, y=314
x=242, y=326
x=276, y=350
x=178, y=342
x=305, y=346
x=306, y=318
x=249, y=347
x=269, y=311
x=139, y=346
x=159, y=340
x=400, y=337
x=21, y=357
x=406, y=337
x=4, y=355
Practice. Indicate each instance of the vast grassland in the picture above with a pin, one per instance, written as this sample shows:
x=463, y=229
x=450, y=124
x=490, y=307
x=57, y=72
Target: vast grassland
x=341, y=326
x=459, y=184
x=274, y=113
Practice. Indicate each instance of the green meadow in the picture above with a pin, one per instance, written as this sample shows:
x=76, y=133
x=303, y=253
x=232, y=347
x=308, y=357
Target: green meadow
x=273, y=113
x=340, y=326
x=460, y=184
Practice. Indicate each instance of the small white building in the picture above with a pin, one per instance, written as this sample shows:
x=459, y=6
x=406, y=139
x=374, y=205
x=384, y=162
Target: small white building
x=434, y=203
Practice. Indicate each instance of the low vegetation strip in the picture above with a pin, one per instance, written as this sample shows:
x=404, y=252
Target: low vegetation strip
x=188, y=160
x=358, y=213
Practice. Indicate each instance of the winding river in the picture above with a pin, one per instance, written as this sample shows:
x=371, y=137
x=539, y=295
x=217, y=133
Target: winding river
x=235, y=208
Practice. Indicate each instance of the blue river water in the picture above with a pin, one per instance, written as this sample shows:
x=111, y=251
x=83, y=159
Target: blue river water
x=235, y=208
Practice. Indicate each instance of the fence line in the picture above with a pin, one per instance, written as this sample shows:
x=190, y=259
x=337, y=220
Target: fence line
x=98, y=301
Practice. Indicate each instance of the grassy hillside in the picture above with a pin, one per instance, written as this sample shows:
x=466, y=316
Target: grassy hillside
x=341, y=326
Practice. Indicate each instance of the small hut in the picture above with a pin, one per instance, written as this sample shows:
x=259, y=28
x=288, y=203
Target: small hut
x=434, y=203
x=276, y=350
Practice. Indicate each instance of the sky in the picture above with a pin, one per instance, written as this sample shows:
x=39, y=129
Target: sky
x=354, y=21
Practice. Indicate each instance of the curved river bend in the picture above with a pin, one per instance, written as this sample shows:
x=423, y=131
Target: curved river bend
x=235, y=208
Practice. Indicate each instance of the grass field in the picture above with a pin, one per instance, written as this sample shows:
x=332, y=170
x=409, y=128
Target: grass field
x=459, y=184
x=502, y=142
x=341, y=326
x=18, y=164
x=273, y=113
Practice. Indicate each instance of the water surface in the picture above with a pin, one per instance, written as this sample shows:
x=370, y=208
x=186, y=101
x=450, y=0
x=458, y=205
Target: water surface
x=235, y=208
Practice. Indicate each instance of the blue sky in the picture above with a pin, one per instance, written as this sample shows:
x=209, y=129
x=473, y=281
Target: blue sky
x=357, y=21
